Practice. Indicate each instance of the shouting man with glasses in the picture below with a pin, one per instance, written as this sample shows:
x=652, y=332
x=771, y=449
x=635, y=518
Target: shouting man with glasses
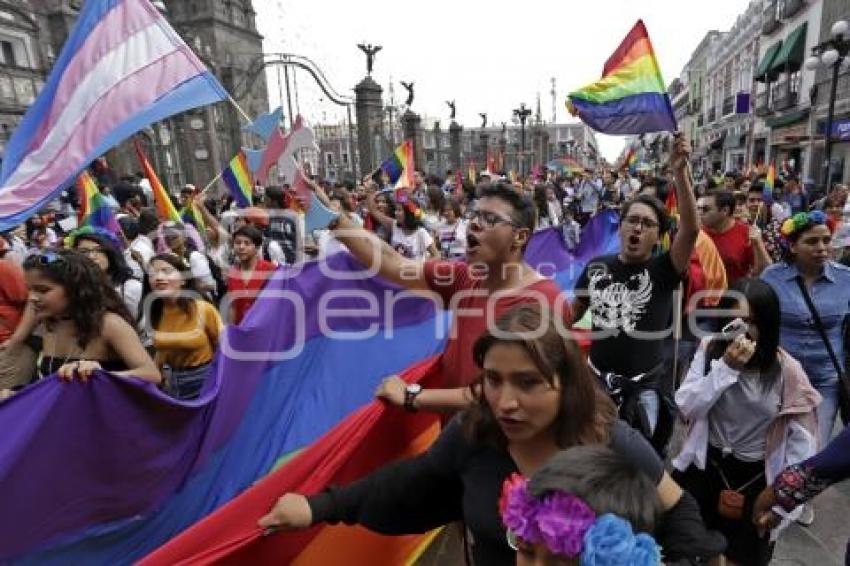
x=630, y=296
x=493, y=279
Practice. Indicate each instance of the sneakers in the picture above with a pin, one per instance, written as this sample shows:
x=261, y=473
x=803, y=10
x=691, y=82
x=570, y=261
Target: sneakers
x=807, y=517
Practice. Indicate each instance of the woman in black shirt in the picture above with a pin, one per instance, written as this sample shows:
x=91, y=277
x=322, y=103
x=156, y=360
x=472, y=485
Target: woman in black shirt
x=535, y=397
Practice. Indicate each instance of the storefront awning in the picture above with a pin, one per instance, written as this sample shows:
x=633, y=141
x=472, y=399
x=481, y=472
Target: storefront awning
x=790, y=57
x=763, y=73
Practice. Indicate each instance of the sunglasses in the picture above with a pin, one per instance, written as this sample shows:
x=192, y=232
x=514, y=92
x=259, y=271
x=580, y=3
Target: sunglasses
x=47, y=258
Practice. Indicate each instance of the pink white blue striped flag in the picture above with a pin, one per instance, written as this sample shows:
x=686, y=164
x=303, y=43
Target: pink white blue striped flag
x=122, y=68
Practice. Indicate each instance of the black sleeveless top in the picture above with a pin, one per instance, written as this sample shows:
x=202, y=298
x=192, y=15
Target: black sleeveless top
x=51, y=364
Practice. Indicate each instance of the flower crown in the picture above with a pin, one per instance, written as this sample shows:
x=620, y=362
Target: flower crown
x=567, y=526
x=71, y=238
x=801, y=221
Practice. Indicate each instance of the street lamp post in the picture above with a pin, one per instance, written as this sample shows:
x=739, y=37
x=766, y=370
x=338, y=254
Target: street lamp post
x=522, y=113
x=830, y=53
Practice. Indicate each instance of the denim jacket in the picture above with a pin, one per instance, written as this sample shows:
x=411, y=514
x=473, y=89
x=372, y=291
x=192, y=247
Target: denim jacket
x=799, y=336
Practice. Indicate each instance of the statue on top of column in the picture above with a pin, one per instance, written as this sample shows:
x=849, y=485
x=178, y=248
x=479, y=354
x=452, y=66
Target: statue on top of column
x=370, y=51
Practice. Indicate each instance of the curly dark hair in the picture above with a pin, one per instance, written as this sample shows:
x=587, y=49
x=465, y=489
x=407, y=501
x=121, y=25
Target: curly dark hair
x=586, y=413
x=88, y=289
x=118, y=271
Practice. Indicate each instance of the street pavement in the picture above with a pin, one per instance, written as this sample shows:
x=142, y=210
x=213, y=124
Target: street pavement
x=824, y=542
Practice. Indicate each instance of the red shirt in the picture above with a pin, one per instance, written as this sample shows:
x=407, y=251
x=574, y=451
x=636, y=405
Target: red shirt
x=255, y=281
x=470, y=313
x=13, y=297
x=735, y=250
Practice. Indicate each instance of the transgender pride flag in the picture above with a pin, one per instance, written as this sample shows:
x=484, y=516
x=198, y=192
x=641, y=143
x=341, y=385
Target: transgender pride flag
x=122, y=68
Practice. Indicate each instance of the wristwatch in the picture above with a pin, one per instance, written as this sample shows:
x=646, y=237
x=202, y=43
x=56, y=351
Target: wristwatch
x=410, y=393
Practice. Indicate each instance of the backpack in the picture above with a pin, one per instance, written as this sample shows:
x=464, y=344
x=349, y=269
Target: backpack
x=284, y=231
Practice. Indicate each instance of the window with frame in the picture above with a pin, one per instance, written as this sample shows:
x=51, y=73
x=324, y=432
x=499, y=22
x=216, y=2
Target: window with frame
x=7, y=52
x=772, y=93
x=794, y=81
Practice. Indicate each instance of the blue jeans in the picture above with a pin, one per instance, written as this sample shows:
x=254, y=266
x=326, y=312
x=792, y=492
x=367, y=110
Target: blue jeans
x=185, y=384
x=827, y=411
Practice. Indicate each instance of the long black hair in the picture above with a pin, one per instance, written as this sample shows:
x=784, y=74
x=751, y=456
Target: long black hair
x=586, y=412
x=765, y=314
x=118, y=270
x=184, y=303
x=88, y=290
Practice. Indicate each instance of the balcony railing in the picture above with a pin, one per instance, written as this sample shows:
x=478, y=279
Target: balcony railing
x=762, y=104
x=784, y=98
x=728, y=105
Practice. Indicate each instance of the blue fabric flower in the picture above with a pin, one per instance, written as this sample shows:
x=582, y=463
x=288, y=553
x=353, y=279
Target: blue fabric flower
x=609, y=542
x=647, y=552
x=817, y=217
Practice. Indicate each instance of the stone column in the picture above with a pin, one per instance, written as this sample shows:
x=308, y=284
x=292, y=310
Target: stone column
x=484, y=148
x=369, y=107
x=503, y=150
x=455, y=131
x=411, y=126
x=438, y=150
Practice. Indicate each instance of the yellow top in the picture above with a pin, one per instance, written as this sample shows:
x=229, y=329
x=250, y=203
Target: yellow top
x=187, y=340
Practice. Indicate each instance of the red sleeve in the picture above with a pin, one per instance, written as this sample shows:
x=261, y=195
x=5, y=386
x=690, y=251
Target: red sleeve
x=447, y=278
x=748, y=246
x=266, y=266
x=14, y=287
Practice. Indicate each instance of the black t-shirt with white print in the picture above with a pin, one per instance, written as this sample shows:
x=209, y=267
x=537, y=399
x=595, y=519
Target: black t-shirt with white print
x=632, y=304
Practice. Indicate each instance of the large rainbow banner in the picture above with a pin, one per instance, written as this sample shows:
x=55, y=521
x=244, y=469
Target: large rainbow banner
x=115, y=471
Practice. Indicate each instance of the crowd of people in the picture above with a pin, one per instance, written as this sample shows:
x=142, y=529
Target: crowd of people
x=548, y=450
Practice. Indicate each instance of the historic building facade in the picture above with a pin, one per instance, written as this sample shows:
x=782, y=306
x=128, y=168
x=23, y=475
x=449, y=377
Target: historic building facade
x=189, y=148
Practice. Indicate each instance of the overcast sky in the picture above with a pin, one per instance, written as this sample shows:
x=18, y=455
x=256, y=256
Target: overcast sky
x=489, y=57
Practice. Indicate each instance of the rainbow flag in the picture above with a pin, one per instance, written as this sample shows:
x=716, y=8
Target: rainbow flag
x=94, y=211
x=164, y=207
x=399, y=166
x=237, y=177
x=191, y=215
x=671, y=203
x=631, y=97
x=273, y=389
x=769, y=184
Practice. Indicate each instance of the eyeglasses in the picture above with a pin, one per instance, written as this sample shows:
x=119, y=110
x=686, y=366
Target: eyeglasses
x=635, y=221
x=91, y=251
x=488, y=219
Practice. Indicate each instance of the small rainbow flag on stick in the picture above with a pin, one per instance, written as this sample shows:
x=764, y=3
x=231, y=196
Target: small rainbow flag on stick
x=399, y=166
x=630, y=98
x=237, y=177
x=192, y=215
x=164, y=207
x=93, y=208
x=769, y=184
